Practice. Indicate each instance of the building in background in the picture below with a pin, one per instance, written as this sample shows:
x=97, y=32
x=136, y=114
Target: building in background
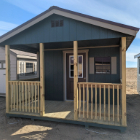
x=23, y=66
x=138, y=72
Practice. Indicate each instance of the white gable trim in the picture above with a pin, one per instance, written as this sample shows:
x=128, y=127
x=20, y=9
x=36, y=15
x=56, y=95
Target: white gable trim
x=72, y=16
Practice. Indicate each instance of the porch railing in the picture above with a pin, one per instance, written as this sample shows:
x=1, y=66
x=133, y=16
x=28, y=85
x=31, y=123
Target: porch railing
x=24, y=96
x=99, y=102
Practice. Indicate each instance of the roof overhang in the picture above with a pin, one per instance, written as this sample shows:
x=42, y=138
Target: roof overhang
x=26, y=57
x=73, y=15
x=137, y=55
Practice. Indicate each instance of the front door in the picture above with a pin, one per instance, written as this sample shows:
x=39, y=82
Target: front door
x=70, y=72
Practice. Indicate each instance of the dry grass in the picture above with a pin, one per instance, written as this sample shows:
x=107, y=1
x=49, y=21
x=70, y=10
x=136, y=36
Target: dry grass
x=131, y=81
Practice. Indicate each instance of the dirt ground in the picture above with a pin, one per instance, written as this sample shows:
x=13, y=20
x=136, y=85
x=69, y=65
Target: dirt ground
x=24, y=129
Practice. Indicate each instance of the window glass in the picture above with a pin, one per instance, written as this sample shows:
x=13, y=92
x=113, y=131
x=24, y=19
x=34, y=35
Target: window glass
x=71, y=73
x=4, y=66
x=80, y=66
x=80, y=63
x=29, y=67
x=102, y=65
x=71, y=59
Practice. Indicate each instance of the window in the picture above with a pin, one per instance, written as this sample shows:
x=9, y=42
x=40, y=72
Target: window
x=2, y=65
x=57, y=23
x=102, y=65
x=80, y=66
x=29, y=67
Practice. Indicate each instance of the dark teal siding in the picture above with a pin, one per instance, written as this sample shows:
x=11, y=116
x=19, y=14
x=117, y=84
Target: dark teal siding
x=53, y=75
x=54, y=72
x=105, y=78
x=71, y=31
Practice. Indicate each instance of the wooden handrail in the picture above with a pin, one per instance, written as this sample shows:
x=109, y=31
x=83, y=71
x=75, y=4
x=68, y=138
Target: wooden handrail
x=24, y=81
x=103, y=85
x=99, y=83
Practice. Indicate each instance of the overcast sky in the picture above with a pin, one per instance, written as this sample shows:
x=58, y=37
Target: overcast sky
x=15, y=12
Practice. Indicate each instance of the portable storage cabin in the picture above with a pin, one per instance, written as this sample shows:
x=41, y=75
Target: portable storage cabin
x=82, y=69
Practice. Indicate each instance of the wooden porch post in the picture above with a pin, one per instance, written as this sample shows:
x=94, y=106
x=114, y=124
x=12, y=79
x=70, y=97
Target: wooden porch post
x=75, y=51
x=123, y=51
x=7, y=58
x=42, y=81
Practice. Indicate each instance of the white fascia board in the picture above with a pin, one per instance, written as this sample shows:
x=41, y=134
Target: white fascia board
x=27, y=57
x=137, y=55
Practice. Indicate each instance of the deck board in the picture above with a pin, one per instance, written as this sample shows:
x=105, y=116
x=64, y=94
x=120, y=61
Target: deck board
x=65, y=110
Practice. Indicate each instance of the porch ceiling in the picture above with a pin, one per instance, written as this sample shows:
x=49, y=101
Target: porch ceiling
x=34, y=48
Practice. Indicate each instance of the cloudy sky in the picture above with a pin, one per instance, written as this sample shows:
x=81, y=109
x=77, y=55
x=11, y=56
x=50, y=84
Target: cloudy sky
x=16, y=12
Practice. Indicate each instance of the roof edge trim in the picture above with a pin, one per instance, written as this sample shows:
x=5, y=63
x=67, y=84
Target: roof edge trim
x=74, y=15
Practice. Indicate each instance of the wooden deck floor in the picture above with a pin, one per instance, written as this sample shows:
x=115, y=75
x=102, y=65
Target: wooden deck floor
x=65, y=110
x=59, y=109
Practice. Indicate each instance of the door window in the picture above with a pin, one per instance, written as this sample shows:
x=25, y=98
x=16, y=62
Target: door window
x=80, y=66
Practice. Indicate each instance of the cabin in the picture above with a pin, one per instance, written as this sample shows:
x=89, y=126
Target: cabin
x=23, y=65
x=138, y=72
x=82, y=67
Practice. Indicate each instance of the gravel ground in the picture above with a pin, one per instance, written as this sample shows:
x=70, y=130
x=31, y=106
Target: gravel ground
x=16, y=128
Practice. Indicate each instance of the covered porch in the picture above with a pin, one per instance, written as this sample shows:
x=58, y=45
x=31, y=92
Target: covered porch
x=94, y=103
x=82, y=66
